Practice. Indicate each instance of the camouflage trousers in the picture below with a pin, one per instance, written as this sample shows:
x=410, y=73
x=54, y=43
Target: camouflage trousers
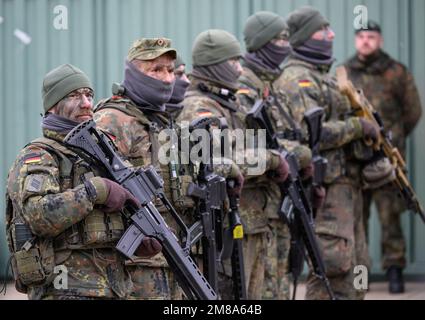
x=153, y=283
x=276, y=279
x=390, y=206
x=254, y=251
x=341, y=236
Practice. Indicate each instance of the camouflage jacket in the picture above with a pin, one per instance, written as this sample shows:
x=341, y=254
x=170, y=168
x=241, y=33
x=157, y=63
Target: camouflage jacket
x=308, y=86
x=136, y=134
x=257, y=83
x=198, y=104
x=66, y=222
x=391, y=89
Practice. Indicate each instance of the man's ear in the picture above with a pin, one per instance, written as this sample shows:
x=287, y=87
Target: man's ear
x=381, y=42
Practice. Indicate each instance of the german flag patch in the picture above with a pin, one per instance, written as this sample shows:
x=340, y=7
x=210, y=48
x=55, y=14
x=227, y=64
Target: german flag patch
x=32, y=158
x=243, y=91
x=205, y=113
x=305, y=83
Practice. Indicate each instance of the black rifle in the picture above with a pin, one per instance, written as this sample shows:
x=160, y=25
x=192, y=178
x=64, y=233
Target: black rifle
x=313, y=118
x=145, y=185
x=210, y=190
x=237, y=259
x=295, y=209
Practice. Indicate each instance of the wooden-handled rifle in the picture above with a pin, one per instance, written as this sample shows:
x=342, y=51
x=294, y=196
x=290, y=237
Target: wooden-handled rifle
x=383, y=145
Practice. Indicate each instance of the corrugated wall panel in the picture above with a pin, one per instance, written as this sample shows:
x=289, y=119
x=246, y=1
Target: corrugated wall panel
x=101, y=31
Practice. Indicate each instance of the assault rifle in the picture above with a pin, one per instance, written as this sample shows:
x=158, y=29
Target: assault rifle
x=295, y=208
x=146, y=221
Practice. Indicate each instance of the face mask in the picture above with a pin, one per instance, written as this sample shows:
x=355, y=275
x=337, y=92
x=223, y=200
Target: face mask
x=316, y=51
x=222, y=72
x=180, y=87
x=145, y=90
x=57, y=123
x=270, y=56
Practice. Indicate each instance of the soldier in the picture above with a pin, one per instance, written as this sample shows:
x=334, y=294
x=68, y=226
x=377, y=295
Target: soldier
x=134, y=117
x=181, y=84
x=306, y=80
x=214, y=82
x=391, y=89
x=265, y=35
x=58, y=206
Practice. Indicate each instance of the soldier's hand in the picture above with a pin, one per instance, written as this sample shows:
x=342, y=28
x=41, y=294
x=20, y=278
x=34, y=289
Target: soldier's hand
x=111, y=195
x=235, y=189
x=318, y=197
x=148, y=248
x=370, y=130
x=282, y=171
x=307, y=172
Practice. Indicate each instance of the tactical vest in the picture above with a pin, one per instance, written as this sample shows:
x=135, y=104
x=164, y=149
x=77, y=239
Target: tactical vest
x=337, y=108
x=33, y=258
x=284, y=125
x=176, y=176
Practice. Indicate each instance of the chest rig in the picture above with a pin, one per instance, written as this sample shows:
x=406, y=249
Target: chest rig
x=283, y=122
x=97, y=229
x=176, y=176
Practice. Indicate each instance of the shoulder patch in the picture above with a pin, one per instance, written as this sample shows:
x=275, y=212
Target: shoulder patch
x=305, y=83
x=35, y=183
x=243, y=91
x=204, y=113
x=32, y=158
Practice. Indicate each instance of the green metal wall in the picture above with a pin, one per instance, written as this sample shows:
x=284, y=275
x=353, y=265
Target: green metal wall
x=100, y=32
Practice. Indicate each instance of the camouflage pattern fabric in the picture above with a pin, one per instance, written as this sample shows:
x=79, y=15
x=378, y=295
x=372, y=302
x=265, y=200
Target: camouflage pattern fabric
x=151, y=277
x=256, y=83
x=389, y=206
x=253, y=199
x=339, y=228
x=340, y=231
x=391, y=89
x=51, y=207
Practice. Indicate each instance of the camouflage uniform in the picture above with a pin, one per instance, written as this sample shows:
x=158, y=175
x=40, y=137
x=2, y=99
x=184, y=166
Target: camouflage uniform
x=339, y=224
x=45, y=190
x=257, y=83
x=399, y=105
x=136, y=137
x=135, y=132
x=198, y=104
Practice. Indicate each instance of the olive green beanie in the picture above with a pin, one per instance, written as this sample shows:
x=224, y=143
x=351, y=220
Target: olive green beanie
x=214, y=46
x=262, y=27
x=302, y=23
x=61, y=81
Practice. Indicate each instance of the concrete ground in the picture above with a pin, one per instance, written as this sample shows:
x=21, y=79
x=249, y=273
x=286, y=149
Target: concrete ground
x=378, y=291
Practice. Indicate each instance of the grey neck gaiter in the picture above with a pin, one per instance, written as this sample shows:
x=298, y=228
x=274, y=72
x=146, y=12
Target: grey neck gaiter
x=179, y=90
x=222, y=73
x=57, y=123
x=316, y=52
x=270, y=56
x=145, y=91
